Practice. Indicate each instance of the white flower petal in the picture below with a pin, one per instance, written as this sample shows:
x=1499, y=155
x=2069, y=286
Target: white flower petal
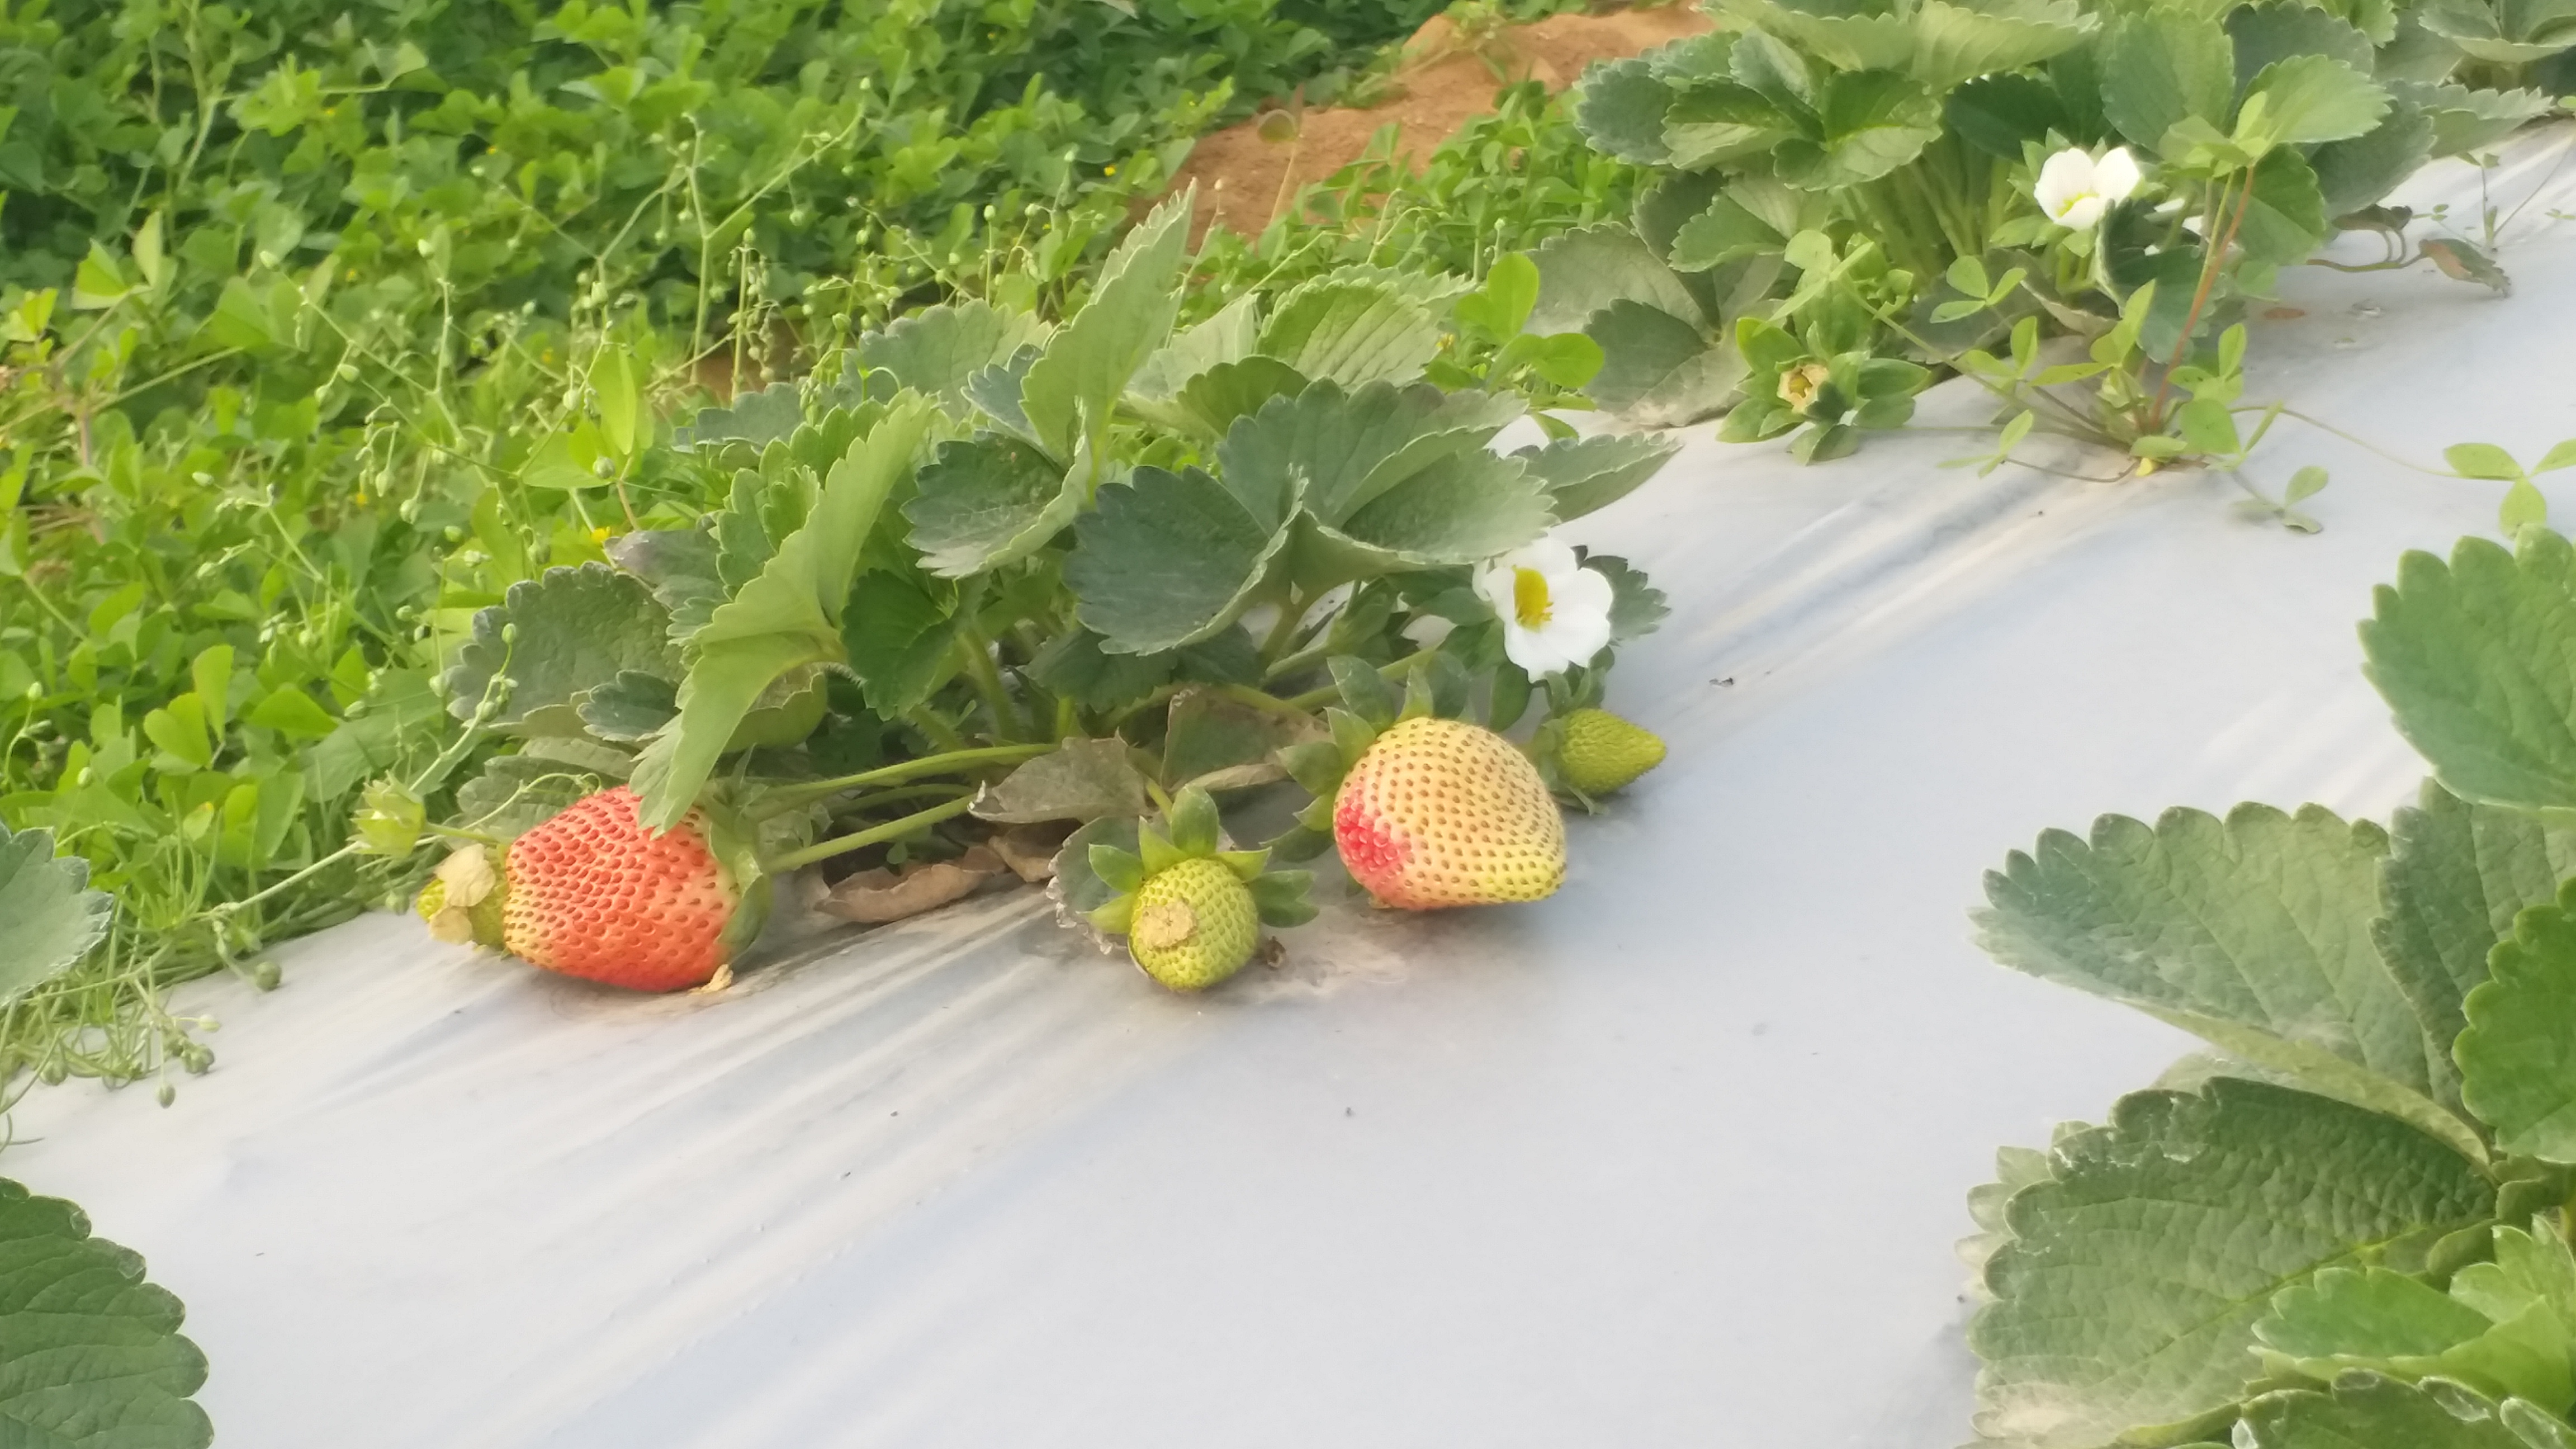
x=2063, y=178
x=2086, y=211
x=1494, y=586
x=2116, y=174
x=1533, y=651
x=1546, y=555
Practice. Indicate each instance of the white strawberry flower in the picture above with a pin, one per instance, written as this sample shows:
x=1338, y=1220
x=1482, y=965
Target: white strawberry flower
x=1555, y=612
x=2075, y=189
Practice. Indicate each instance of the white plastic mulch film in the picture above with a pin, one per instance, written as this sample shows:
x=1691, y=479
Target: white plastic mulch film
x=1677, y=1157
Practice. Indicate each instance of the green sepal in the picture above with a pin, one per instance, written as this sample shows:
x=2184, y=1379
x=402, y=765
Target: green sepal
x=1281, y=897
x=1418, y=701
x=1352, y=735
x=1246, y=864
x=1116, y=916
x=1301, y=842
x=734, y=845
x=1120, y=870
x=1316, y=765
x=1364, y=690
x=1194, y=824
x=1158, y=851
x=1317, y=817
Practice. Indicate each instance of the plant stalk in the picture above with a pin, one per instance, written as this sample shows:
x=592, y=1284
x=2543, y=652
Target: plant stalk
x=873, y=835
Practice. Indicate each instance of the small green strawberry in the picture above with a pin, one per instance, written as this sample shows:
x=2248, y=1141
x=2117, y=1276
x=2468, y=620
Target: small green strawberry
x=1192, y=913
x=1599, y=752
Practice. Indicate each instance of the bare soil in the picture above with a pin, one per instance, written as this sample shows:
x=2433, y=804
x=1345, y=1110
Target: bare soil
x=1445, y=81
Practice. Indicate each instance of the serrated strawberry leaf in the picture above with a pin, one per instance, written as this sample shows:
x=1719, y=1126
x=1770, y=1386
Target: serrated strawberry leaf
x=2367, y=1411
x=900, y=637
x=1212, y=734
x=2251, y=933
x=1085, y=878
x=1067, y=394
x=49, y=917
x=2518, y=1056
x=1166, y=559
x=94, y=1350
x=787, y=618
x=987, y=501
x=551, y=641
x=1586, y=474
x=1352, y=333
x=936, y=350
x=2459, y=651
x=2127, y=1287
x=757, y=418
x=1080, y=780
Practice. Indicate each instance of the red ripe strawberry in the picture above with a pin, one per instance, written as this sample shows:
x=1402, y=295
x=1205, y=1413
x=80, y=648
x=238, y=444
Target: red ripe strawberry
x=593, y=894
x=1442, y=813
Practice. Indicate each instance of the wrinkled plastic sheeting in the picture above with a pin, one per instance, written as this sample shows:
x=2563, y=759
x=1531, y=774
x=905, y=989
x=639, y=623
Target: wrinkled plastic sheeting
x=1674, y=1158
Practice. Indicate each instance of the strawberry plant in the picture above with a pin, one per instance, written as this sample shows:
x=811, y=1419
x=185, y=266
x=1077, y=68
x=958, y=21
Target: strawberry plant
x=1849, y=197
x=2349, y=1225
x=983, y=571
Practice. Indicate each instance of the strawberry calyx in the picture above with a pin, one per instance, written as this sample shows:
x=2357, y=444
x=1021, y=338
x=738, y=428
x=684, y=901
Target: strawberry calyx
x=1190, y=908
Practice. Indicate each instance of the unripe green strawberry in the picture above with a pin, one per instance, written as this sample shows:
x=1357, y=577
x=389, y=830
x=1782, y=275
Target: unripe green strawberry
x=1602, y=752
x=1195, y=924
x=1438, y=812
x=592, y=893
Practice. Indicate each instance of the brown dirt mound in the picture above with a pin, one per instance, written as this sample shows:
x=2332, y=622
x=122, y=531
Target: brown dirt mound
x=1446, y=81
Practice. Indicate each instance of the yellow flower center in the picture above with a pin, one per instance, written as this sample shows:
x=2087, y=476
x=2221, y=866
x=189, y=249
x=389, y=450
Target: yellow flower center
x=1798, y=386
x=1530, y=603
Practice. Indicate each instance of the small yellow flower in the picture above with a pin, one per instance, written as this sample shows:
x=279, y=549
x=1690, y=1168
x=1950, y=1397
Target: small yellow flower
x=599, y=536
x=1108, y=170
x=1800, y=384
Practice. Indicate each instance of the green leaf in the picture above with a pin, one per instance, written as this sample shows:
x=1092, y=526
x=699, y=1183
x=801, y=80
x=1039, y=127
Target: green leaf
x=2161, y=65
x=2482, y=460
x=1230, y=336
x=1086, y=364
x=988, y=501
x=2462, y=262
x=1333, y=451
x=2467, y=120
x=2518, y=1057
x=787, y=618
x=630, y=707
x=2126, y=1293
x=2498, y=1330
x=1636, y=606
x=1955, y=43
x=1212, y=734
x=555, y=638
x=2367, y=1411
x=1621, y=107
x=98, y=282
x=2279, y=29
x=758, y=418
x=1874, y=121
x=1722, y=124
x=2562, y=456
x=1081, y=780
x=899, y=637
x=2312, y=98
x=95, y=1353
x=1080, y=884
x=1076, y=667
x=2457, y=875
x=1461, y=509
x=937, y=349
x=2253, y=934
x=1502, y=305
x=1586, y=474
x=1584, y=270
x=2360, y=172
x=2461, y=652
x=290, y=711
x=1351, y=333
x=2285, y=217
x=1211, y=401
x=2501, y=33
x=1660, y=371
x=622, y=410
x=1165, y=559
x=49, y=917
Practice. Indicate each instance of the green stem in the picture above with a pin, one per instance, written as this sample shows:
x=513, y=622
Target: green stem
x=1307, y=702
x=873, y=835
x=935, y=729
x=1270, y=703
x=2208, y=278
x=977, y=657
x=790, y=797
x=1292, y=612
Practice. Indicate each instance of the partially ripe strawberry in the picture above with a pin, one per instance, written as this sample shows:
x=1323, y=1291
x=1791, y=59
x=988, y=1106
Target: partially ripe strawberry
x=1438, y=812
x=1602, y=752
x=592, y=893
x=1195, y=924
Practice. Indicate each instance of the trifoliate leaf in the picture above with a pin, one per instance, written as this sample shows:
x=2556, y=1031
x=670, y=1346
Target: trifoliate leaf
x=1228, y=337
x=94, y=1351
x=787, y=618
x=2253, y=934
x=757, y=418
x=988, y=501
x=2460, y=652
x=2368, y=1411
x=1069, y=390
x=1080, y=780
x=1621, y=109
x=2127, y=1294
x=2499, y=1330
x=1352, y=333
x=2312, y=98
x=1874, y=121
x=49, y=917
x=555, y=638
x=899, y=636
x=2161, y=65
x=1462, y=509
x=1165, y=559
x=2456, y=877
x=995, y=392
x=630, y=707
x=1334, y=451
x=2518, y=1057
x=934, y=351
x=1722, y=232
x=1584, y=270
x=2500, y=34
x=1955, y=43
